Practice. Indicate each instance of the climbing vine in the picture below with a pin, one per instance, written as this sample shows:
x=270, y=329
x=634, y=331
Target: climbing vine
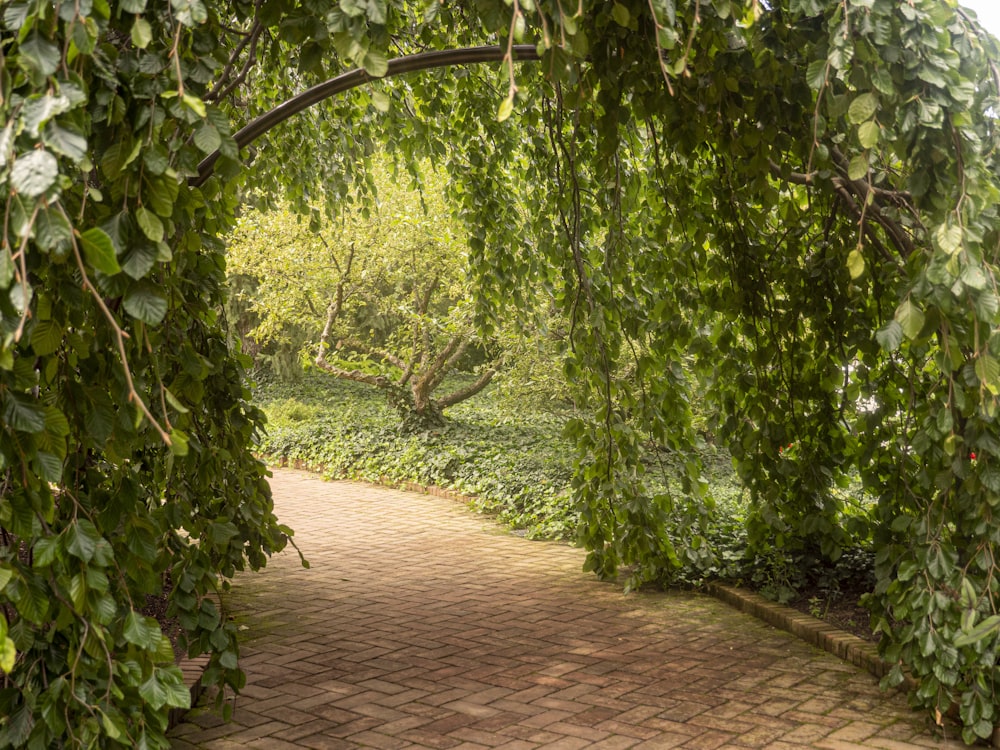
x=791, y=205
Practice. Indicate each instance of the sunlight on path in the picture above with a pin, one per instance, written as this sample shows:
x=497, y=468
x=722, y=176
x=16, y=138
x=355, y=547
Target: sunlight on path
x=422, y=625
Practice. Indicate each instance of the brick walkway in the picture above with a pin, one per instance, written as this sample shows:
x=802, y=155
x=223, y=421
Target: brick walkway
x=421, y=625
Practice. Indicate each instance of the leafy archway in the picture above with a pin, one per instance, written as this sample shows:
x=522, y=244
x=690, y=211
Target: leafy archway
x=794, y=200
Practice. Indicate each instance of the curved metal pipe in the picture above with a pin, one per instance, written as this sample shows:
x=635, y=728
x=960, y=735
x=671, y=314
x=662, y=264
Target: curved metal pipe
x=355, y=78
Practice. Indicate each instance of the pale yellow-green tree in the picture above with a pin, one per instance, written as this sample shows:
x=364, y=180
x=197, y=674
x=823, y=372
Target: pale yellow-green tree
x=379, y=297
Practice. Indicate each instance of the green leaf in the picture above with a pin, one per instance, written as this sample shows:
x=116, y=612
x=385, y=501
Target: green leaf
x=621, y=15
x=156, y=158
x=46, y=336
x=869, y=134
x=984, y=629
x=7, y=269
x=111, y=728
x=160, y=194
x=45, y=552
x=38, y=110
x=5, y=575
x=145, y=302
x=53, y=232
x=174, y=401
x=178, y=442
x=50, y=465
x=375, y=64
x=6, y=140
x=149, y=223
x=974, y=278
x=988, y=372
x=20, y=296
x=178, y=695
x=34, y=173
x=191, y=13
x=862, y=108
x=816, y=74
x=910, y=318
x=142, y=631
x=987, y=305
x=140, y=259
x=882, y=79
x=228, y=659
x=222, y=531
x=66, y=142
x=142, y=33
x=506, y=108
x=949, y=238
x=195, y=104
x=858, y=168
x=99, y=251
x=855, y=263
x=82, y=539
x=207, y=138
x=380, y=101
x=8, y=655
x=22, y=414
x=890, y=336
x=38, y=55
x=153, y=692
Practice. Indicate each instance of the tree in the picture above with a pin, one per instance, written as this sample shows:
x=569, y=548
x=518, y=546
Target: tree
x=378, y=297
x=802, y=194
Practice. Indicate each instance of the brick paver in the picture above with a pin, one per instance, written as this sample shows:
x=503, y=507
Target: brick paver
x=421, y=625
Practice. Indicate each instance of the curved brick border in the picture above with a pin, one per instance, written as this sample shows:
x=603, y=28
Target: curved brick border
x=849, y=647
x=192, y=669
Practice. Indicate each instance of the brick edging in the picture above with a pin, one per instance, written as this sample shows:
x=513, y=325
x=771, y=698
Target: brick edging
x=849, y=647
x=192, y=669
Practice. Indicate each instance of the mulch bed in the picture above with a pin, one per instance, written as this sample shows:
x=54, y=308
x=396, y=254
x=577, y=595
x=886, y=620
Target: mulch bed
x=841, y=609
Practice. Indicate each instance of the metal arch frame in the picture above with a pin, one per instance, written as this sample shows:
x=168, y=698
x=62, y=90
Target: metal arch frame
x=354, y=78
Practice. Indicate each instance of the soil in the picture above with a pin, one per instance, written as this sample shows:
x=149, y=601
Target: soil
x=156, y=607
x=841, y=609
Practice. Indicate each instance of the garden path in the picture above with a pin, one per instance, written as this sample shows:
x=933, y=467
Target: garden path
x=422, y=625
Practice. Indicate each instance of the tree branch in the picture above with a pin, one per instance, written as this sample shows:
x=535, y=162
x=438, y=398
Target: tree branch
x=334, y=308
x=857, y=192
x=445, y=362
x=381, y=354
x=466, y=393
x=379, y=381
x=222, y=88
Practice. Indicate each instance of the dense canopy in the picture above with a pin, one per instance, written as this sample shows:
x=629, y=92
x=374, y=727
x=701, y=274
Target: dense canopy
x=787, y=206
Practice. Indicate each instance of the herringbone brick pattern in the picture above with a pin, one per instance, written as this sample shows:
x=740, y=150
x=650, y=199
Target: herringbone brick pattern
x=421, y=625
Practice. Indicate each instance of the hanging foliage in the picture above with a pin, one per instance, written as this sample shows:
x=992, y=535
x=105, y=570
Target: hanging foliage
x=794, y=202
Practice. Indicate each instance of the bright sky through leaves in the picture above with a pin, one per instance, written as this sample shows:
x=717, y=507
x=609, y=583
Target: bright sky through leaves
x=988, y=12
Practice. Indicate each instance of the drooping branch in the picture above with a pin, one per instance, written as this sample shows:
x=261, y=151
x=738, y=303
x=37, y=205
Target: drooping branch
x=225, y=85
